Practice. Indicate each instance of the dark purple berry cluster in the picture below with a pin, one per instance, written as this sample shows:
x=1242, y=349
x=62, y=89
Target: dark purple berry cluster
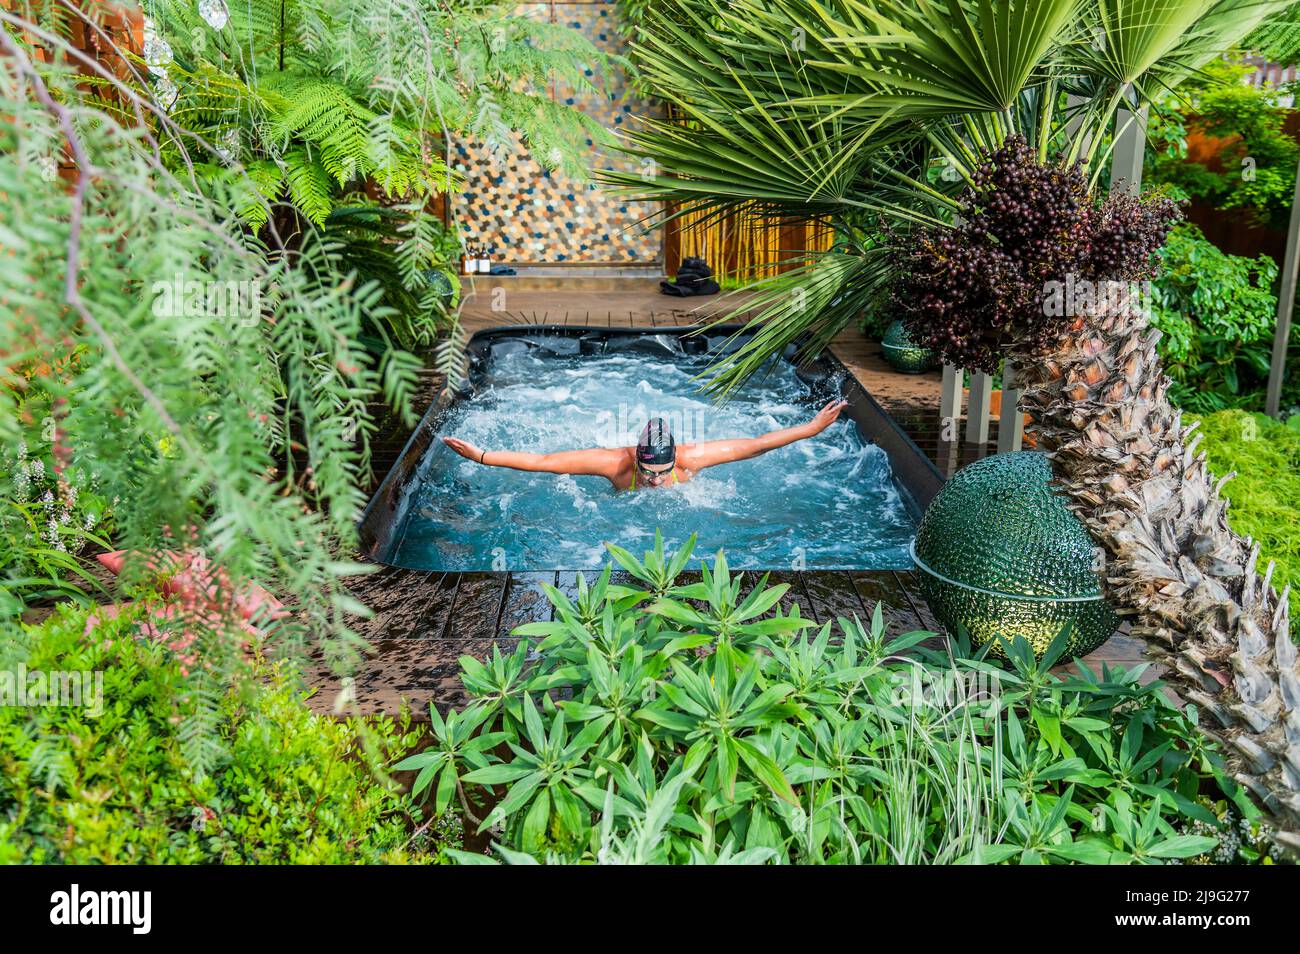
x=973, y=290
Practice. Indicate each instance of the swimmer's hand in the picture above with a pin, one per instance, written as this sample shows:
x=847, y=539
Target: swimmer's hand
x=826, y=416
x=464, y=449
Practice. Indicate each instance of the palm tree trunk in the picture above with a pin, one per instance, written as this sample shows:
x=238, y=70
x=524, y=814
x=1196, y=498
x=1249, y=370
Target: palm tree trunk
x=1192, y=586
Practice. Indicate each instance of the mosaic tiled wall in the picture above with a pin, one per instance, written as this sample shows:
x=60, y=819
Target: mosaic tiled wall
x=527, y=213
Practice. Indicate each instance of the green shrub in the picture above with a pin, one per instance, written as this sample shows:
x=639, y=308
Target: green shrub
x=656, y=722
x=1258, y=162
x=1217, y=313
x=1265, y=494
x=80, y=787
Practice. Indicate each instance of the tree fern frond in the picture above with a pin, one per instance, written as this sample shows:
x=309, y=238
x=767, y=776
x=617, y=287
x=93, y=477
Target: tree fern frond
x=324, y=113
x=310, y=184
x=265, y=180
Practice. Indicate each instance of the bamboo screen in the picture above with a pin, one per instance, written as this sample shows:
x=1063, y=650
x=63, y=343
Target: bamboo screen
x=747, y=246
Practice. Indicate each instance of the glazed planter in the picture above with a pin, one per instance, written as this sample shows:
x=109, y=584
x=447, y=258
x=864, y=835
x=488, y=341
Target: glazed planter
x=1000, y=555
x=902, y=353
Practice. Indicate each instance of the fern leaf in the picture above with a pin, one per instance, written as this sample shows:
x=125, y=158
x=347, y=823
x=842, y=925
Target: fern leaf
x=310, y=184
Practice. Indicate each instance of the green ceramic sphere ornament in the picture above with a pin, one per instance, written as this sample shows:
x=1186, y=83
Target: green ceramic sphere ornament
x=1000, y=554
x=441, y=284
x=902, y=353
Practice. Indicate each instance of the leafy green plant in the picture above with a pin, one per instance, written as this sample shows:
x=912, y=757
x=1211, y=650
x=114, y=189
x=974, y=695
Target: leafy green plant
x=1240, y=840
x=653, y=721
x=240, y=425
x=1278, y=38
x=312, y=97
x=411, y=256
x=1257, y=162
x=310, y=107
x=108, y=783
x=1217, y=313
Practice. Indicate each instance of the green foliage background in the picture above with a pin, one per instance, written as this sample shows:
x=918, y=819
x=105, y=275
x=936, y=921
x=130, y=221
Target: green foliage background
x=116, y=787
x=1265, y=494
x=1258, y=163
x=1217, y=313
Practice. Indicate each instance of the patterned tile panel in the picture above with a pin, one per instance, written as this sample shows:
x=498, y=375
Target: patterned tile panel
x=526, y=213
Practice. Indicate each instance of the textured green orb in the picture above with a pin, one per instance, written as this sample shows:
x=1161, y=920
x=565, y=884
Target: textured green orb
x=440, y=282
x=902, y=354
x=1000, y=554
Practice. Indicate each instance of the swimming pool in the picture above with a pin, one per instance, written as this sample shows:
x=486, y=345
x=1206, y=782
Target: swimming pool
x=830, y=502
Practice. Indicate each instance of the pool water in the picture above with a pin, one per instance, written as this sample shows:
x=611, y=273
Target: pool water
x=824, y=503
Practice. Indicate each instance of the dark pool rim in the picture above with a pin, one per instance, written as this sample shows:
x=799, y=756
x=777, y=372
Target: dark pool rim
x=915, y=476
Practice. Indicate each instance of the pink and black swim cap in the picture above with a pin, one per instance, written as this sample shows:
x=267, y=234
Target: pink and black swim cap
x=656, y=444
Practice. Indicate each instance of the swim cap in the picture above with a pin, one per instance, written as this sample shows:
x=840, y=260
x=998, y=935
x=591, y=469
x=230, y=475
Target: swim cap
x=656, y=445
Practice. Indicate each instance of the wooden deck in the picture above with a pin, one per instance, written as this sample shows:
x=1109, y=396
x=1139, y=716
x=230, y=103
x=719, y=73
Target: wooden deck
x=424, y=622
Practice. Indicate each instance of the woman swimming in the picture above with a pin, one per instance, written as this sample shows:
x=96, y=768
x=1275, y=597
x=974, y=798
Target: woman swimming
x=656, y=460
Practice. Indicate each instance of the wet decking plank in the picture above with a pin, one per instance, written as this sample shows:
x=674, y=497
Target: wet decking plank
x=395, y=673
x=831, y=595
x=476, y=613
x=406, y=604
x=566, y=581
x=525, y=600
x=795, y=594
x=887, y=591
x=907, y=579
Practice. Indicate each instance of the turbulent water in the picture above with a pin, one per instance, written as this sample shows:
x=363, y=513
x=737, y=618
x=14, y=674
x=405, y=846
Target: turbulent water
x=823, y=503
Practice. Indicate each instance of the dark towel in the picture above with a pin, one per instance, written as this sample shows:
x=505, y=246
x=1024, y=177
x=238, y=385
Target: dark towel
x=694, y=277
x=704, y=286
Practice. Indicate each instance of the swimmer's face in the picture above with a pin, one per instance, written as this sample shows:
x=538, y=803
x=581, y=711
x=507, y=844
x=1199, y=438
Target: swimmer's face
x=655, y=475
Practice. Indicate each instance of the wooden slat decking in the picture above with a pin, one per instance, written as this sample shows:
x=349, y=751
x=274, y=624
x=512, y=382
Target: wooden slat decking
x=424, y=622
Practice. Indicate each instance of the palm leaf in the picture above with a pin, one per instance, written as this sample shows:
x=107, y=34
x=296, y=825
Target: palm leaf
x=955, y=56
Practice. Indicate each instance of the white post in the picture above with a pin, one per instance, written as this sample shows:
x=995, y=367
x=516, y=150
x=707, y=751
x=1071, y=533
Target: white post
x=977, y=411
x=1130, y=144
x=1011, y=423
x=950, y=399
x=1074, y=105
x=1285, y=306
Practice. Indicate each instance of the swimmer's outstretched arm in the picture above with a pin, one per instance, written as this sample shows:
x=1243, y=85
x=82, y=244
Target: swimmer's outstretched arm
x=595, y=461
x=712, y=453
